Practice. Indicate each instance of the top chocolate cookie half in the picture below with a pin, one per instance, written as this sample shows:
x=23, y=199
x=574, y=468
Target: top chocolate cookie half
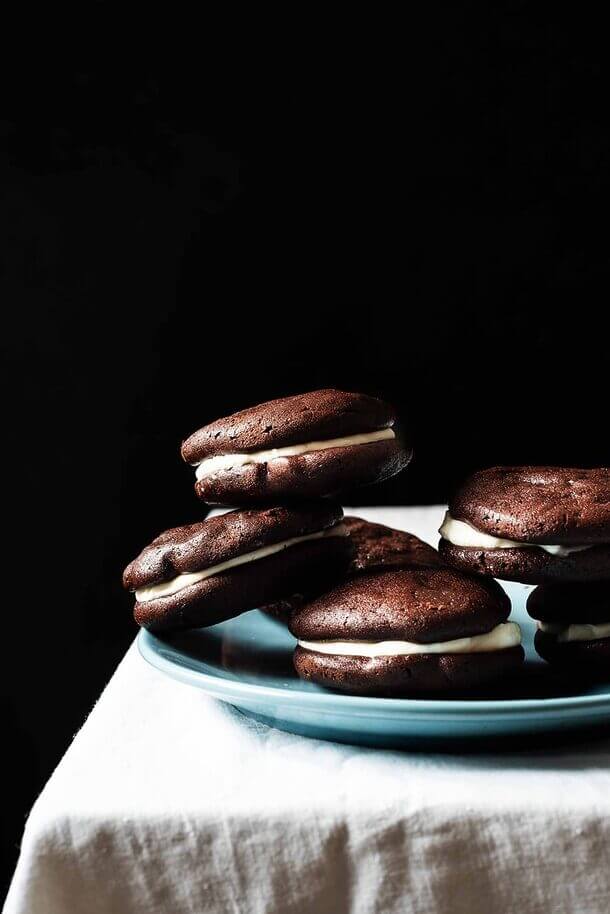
x=548, y=505
x=378, y=547
x=571, y=603
x=419, y=605
x=305, y=446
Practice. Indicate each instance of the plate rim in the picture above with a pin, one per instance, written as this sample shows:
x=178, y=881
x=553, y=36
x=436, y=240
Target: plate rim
x=226, y=689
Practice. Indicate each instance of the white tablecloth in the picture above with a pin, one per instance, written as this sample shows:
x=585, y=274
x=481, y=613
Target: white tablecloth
x=168, y=801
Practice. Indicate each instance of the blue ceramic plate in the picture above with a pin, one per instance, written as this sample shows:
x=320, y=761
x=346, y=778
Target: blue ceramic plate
x=247, y=662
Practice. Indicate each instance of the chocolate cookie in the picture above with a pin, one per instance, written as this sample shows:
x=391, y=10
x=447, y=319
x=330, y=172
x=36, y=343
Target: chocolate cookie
x=407, y=631
x=207, y=572
x=573, y=625
x=378, y=547
x=304, y=446
x=531, y=524
x=283, y=610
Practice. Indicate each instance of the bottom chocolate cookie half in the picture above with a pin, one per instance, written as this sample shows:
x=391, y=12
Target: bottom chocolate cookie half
x=591, y=658
x=407, y=674
x=529, y=565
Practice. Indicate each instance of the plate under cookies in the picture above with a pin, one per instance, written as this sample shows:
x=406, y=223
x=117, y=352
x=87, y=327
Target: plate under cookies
x=247, y=662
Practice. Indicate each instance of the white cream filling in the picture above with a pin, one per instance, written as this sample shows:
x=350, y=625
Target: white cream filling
x=167, y=588
x=460, y=533
x=226, y=461
x=503, y=636
x=577, y=632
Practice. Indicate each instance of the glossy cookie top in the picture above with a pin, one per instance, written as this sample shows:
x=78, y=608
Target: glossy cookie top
x=218, y=539
x=412, y=604
x=550, y=505
x=318, y=415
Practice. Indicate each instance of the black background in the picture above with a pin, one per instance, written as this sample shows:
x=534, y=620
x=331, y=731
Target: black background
x=421, y=216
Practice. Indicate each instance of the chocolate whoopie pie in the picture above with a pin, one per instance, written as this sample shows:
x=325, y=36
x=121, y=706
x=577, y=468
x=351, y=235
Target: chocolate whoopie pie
x=376, y=547
x=573, y=624
x=305, y=446
x=531, y=524
x=210, y=571
x=407, y=631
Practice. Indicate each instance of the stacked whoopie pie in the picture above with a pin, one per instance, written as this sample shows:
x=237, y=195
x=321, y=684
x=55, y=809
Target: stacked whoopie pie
x=547, y=526
x=374, y=610
x=279, y=460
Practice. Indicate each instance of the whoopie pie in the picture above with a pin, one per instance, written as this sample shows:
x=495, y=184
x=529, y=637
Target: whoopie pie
x=210, y=571
x=407, y=631
x=309, y=445
x=531, y=524
x=573, y=624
